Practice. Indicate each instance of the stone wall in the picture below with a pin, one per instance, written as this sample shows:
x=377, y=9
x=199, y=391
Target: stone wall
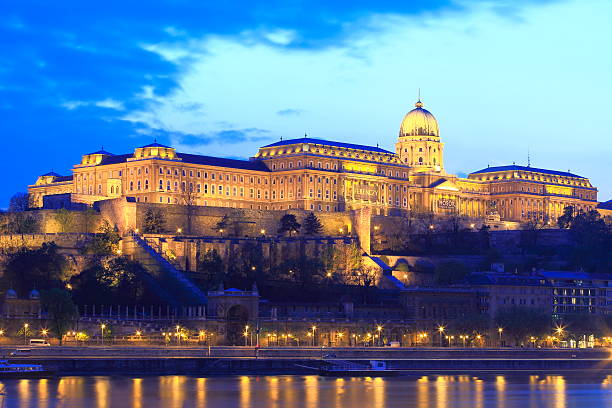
x=185, y=252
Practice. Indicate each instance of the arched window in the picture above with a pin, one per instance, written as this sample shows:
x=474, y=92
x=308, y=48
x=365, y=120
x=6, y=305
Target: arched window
x=420, y=160
x=161, y=184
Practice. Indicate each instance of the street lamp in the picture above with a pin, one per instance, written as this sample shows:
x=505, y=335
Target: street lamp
x=379, y=329
x=178, y=336
x=44, y=332
x=179, y=230
x=25, y=333
x=440, y=330
x=464, y=338
x=263, y=232
x=102, y=327
x=313, y=335
x=500, y=330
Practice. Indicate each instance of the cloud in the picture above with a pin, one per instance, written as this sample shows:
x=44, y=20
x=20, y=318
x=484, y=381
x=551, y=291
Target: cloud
x=107, y=103
x=281, y=37
x=496, y=84
x=290, y=112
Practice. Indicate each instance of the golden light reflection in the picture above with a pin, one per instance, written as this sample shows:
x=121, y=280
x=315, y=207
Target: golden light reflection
x=245, y=392
x=340, y=391
x=23, y=389
x=423, y=392
x=102, y=388
x=172, y=390
x=273, y=392
x=311, y=385
x=479, y=390
x=70, y=388
x=442, y=391
x=43, y=393
x=201, y=392
x=288, y=389
x=379, y=392
x=137, y=393
x=500, y=388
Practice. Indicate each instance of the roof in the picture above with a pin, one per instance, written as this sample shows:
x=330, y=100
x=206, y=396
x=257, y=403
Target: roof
x=51, y=173
x=222, y=162
x=572, y=275
x=328, y=143
x=156, y=145
x=104, y=152
x=116, y=158
x=492, y=278
x=606, y=205
x=527, y=168
x=62, y=178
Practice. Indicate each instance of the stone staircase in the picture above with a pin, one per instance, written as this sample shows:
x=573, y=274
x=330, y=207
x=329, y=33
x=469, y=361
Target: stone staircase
x=171, y=285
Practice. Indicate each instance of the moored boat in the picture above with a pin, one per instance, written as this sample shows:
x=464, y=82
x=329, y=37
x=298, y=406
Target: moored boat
x=12, y=370
x=375, y=368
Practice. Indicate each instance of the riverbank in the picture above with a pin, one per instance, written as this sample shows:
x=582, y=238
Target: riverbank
x=277, y=361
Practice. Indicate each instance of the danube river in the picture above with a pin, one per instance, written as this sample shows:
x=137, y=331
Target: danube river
x=471, y=391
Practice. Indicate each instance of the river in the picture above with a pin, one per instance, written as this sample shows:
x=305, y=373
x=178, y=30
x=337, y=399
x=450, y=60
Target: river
x=469, y=391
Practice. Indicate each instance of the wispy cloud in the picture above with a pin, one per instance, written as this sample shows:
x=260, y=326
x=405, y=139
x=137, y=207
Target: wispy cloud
x=107, y=103
x=290, y=112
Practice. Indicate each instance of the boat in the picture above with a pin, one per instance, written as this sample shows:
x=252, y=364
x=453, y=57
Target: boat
x=11, y=370
x=340, y=368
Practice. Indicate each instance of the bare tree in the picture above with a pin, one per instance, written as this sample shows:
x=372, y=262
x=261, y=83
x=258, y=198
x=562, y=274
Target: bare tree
x=19, y=202
x=189, y=199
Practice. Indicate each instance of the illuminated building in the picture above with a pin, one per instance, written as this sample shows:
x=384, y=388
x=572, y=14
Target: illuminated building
x=319, y=175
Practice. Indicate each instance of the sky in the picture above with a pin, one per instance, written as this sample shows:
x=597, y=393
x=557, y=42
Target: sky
x=505, y=79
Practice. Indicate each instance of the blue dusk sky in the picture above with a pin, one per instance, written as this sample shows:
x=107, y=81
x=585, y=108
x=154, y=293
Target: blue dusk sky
x=223, y=78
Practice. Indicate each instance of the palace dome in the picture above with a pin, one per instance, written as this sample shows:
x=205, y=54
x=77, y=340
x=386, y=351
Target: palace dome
x=419, y=122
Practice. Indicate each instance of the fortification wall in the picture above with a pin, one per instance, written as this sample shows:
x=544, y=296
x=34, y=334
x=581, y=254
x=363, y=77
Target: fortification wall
x=186, y=252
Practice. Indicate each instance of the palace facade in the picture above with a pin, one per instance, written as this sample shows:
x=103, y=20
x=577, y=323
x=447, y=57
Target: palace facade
x=319, y=175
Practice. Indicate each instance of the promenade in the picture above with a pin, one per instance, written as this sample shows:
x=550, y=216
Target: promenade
x=248, y=360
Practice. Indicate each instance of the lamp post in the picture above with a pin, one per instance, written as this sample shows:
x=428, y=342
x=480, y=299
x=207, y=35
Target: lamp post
x=314, y=328
x=102, y=327
x=178, y=335
x=246, y=334
x=500, y=330
x=441, y=331
x=25, y=333
x=379, y=330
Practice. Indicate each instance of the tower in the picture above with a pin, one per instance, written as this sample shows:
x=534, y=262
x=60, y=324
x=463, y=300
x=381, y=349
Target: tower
x=419, y=144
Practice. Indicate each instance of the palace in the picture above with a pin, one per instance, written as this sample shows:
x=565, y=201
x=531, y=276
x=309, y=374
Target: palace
x=319, y=175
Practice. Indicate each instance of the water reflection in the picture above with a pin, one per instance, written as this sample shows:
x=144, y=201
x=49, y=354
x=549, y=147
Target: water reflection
x=440, y=391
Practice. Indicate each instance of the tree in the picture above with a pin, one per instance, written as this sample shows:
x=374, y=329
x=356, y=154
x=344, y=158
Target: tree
x=113, y=280
x=473, y=323
x=211, y=266
x=19, y=202
x=288, y=223
x=565, y=221
x=106, y=241
x=154, y=222
x=18, y=223
x=43, y=268
x=593, y=242
x=312, y=225
x=189, y=199
x=450, y=272
x=222, y=224
x=64, y=219
x=521, y=322
x=61, y=311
